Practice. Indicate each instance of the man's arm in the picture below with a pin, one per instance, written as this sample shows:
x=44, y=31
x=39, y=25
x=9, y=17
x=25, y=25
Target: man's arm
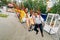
x=42, y=21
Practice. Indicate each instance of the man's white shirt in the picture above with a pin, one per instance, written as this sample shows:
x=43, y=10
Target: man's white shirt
x=38, y=19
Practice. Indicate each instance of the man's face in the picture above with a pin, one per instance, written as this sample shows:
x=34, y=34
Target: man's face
x=31, y=11
x=47, y=0
x=38, y=11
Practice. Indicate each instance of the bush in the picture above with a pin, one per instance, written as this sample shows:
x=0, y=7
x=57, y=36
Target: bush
x=3, y=15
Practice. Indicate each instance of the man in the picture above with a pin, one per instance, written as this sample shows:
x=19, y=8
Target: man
x=38, y=23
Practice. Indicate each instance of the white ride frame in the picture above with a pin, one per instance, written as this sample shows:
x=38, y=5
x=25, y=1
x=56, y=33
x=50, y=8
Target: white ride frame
x=52, y=23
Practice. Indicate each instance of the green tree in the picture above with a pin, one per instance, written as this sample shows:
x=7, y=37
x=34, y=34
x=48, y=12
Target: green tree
x=4, y=2
x=36, y=4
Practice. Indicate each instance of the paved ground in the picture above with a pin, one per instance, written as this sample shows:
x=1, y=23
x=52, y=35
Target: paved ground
x=12, y=29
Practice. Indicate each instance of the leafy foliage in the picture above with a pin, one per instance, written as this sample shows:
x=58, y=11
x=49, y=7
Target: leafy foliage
x=36, y=4
x=55, y=8
x=3, y=2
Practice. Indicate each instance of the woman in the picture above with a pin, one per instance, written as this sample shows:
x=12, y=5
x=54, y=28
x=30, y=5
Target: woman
x=17, y=12
x=38, y=23
x=22, y=15
x=29, y=20
x=27, y=17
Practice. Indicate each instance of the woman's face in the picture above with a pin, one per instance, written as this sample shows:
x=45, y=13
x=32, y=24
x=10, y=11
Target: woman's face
x=26, y=10
x=33, y=13
x=36, y=14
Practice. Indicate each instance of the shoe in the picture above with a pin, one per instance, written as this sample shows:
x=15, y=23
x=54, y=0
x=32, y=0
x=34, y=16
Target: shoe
x=29, y=30
x=37, y=32
x=42, y=35
x=32, y=29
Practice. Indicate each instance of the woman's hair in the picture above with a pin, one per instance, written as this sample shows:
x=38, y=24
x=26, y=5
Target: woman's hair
x=35, y=11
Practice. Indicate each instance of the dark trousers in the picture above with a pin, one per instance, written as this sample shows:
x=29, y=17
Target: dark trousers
x=40, y=27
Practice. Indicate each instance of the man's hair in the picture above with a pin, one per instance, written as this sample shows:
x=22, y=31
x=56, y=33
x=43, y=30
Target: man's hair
x=38, y=10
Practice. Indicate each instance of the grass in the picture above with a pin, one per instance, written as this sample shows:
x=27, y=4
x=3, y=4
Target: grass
x=3, y=15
